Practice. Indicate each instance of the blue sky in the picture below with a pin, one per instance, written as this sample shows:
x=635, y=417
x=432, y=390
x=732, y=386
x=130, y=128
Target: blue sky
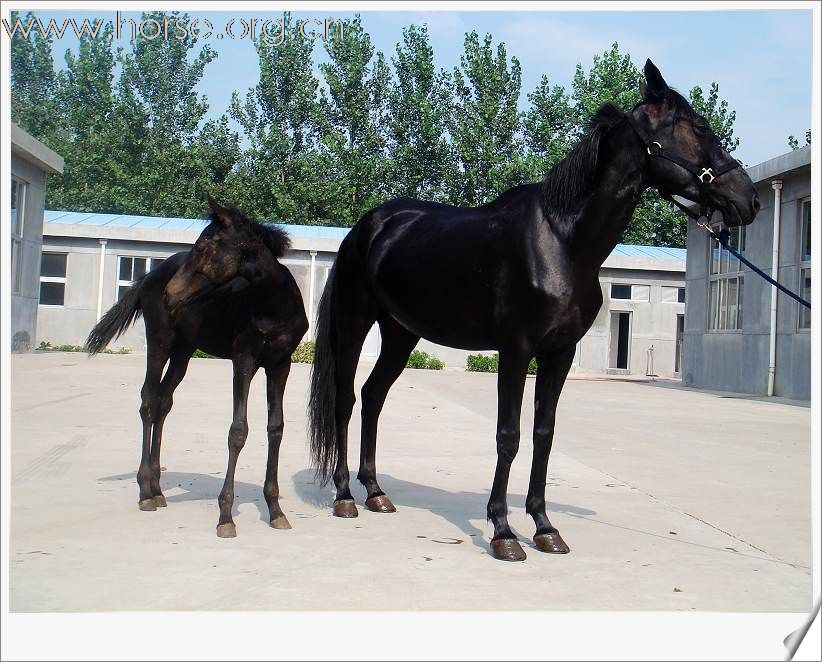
x=761, y=59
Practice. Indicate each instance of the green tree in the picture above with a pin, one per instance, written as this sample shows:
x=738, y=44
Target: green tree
x=716, y=111
x=33, y=82
x=418, y=151
x=281, y=174
x=162, y=116
x=485, y=123
x=549, y=127
x=92, y=179
x=793, y=143
x=613, y=77
x=351, y=122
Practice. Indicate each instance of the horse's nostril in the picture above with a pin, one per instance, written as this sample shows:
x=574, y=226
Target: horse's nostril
x=755, y=204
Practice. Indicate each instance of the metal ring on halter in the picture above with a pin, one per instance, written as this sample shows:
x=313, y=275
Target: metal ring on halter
x=649, y=147
x=706, y=171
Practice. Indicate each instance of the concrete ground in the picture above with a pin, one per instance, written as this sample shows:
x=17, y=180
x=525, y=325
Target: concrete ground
x=670, y=498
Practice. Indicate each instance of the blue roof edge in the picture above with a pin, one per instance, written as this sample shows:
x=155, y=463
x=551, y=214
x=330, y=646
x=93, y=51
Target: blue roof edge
x=62, y=217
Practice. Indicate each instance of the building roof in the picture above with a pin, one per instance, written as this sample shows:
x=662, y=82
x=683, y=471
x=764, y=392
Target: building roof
x=28, y=147
x=780, y=165
x=304, y=237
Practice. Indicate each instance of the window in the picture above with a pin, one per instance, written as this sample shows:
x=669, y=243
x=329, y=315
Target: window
x=53, y=279
x=670, y=294
x=726, y=284
x=19, y=190
x=630, y=292
x=132, y=268
x=805, y=265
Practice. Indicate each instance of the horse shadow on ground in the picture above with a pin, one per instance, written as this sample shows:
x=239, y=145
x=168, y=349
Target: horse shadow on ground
x=202, y=487
x=458, y=508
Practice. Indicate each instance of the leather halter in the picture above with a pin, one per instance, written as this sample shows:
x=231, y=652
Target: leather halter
x=705, y=176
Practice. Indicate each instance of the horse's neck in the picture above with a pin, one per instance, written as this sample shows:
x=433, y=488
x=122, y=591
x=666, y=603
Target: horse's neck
x=608, y=211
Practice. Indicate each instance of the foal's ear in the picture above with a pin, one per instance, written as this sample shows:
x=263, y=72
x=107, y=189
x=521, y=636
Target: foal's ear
x=222, y=215
x=654, y=87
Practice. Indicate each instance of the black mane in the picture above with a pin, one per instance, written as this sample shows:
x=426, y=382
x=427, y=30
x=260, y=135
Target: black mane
x=570, y=180
x=274, y=237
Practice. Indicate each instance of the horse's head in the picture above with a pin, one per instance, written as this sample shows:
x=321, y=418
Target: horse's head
x=229, y=250
x=689, y=160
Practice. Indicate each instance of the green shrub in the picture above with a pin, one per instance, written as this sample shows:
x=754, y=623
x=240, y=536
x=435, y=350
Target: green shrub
x=483, y=363
x=304, y=353
x=424, y=361
x=46, y=346
x=200, y=354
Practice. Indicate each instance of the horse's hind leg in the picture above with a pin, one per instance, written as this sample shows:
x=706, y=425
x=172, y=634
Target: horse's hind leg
x=156, y=356
x=177, y=366
x=351, y=333
x=397, y=344
x=276, y=376
x=244, y=369
x=551, y=373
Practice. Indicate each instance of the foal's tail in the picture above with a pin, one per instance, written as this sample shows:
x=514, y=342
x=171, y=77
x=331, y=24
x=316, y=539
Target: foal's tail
x=322, y=402
x=118, y=318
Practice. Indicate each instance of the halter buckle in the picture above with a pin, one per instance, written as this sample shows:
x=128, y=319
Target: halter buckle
x=648, y=147
x=706, y=172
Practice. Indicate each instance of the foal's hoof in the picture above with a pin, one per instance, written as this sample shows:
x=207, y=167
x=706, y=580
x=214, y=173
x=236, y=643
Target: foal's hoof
x=226, y=530
x=280, y=522
x=551, y=543
x=506, y=549
x=380, y=504
x=147, y=504
x=160, y=501
x=345, y=508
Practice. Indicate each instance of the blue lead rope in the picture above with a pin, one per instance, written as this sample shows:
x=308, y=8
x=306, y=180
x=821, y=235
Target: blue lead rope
x=722, y=237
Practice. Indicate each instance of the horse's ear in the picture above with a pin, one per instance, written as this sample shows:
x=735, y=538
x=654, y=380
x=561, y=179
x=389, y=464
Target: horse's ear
x=654, y=88
x=222, y=215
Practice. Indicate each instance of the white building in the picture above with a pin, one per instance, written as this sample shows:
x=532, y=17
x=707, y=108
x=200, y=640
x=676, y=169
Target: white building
x=91, y=257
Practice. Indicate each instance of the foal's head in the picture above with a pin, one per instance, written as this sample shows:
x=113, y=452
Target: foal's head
x=232, y=249
x=670, y=122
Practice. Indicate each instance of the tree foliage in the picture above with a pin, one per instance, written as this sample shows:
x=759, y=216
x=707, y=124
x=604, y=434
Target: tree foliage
x=317, y=144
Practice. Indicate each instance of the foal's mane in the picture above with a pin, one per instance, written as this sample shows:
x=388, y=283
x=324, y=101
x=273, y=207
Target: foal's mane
x=274, y=237
x=570, y=180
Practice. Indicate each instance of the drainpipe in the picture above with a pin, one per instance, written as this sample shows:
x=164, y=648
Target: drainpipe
x=311, y=296
x=103, y=243
x=776, y=185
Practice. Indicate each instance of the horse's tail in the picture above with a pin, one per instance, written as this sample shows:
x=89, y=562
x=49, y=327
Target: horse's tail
x=118, y=318
x=322, y=402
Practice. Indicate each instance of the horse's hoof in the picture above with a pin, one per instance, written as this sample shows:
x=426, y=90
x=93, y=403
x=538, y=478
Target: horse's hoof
x=226, y=530
x=380, y=504
x=345, y=508
x=507, y=549
x=280, y=522
x=147, y=504
x=160, y=501
x=551, y=543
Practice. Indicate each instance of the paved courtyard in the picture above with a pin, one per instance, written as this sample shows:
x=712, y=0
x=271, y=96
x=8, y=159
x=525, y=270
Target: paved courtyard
x=669, y=498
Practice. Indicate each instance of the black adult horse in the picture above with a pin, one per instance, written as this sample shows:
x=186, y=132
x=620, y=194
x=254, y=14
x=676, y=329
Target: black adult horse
x=518, y=275
x=230, y=297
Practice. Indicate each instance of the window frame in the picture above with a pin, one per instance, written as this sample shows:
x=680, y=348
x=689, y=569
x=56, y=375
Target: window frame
x=722, y=279
x=803, y=266
x=53, y=279
x=18, y=228
x=632, y=286
x=151, y=262
x=678, y=288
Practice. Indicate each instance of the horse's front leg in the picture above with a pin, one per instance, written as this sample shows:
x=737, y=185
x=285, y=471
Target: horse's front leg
x=552, y=369
x=244, y=369
x=513, y=366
